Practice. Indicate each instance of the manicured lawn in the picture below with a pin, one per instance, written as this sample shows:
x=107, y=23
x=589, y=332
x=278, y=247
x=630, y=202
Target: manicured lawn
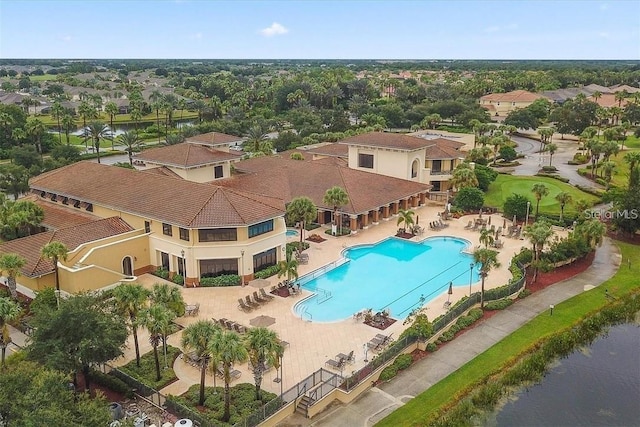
x=506, y=185
x=421, y=409
x=126, y=118
x=620, y=176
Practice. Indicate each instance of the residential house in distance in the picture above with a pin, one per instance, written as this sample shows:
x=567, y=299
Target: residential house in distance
x=501, y=104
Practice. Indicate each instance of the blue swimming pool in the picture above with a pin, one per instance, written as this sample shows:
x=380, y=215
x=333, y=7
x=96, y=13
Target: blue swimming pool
x=292, y=233
x=393, y=274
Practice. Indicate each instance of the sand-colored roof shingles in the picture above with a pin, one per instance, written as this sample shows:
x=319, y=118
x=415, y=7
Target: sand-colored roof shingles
x=174, y=201
x=30, y=247
x=214, y=138
x=185, y=155
x=387, y=140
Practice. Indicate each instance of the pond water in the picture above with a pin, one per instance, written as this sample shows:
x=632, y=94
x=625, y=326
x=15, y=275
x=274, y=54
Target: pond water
x=595, y=386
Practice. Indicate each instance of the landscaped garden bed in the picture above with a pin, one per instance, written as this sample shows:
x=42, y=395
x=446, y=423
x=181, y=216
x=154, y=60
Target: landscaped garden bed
x=316, y=238
x=146, y=372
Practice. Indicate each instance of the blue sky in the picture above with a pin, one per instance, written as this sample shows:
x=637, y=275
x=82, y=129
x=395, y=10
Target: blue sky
x=516, y=29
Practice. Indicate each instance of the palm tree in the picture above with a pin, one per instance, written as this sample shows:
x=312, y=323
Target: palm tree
x=406, y=216
x=488, y=259
x=463, y=176
x=55, y=251
x=97, y=131
x=36, y=129
x=486, y=237
x=68, y=125
x=156, y=99
x=9, y=310
x=11, y=264
x=227, y=348
x=545, y=136
x=593, y=232
x=539, y=191
x=112, y=110
x=87, y=112
x=264, y=348
x=538, y=234
x=288, y=268
x=130, y=299
x=607, y=170
x=197, y=338
x=255, y=137
x=132, y=143
x=497, y=142
x=157, y=320
x=551, y=148
x=301, y=210
x=57, y=111
x=336, y=197
x=169, y=296
x=563, y=198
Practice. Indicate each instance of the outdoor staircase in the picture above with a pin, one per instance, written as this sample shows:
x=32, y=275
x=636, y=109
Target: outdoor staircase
x=303, y=405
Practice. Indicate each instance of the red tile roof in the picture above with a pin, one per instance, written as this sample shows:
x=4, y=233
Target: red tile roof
x=387, y=140
x=30, y=247
x=214, y=138
x=174, y=201
x=513, y=96
x=60, y=216
x=294, y=178
x=333, y=149
x=185, y=155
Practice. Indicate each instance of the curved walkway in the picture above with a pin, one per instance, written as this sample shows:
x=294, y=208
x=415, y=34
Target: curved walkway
x=379, y=401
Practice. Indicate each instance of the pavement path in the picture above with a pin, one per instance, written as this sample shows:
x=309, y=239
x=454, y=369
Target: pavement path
x=380, y=401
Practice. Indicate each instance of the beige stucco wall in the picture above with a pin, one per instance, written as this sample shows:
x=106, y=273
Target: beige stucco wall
x=394, y=163
x=505, y=107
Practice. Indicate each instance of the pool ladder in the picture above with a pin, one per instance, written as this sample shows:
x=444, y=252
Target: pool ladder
x=323, y=295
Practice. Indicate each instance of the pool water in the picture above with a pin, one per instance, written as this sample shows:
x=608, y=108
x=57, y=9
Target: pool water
x=292, y=233
x=393, y=274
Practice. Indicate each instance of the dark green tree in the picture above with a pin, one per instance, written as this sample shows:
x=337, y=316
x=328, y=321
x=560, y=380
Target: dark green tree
x=469, y=199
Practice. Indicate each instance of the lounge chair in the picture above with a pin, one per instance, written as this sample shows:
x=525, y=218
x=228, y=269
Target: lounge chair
x=251, y=303
x=263, y=294
x=258, y=298
x=336, y=364
x=239, y=328
x=469, y=225
x=243, y=306
x=234, y=374
x=348, y=358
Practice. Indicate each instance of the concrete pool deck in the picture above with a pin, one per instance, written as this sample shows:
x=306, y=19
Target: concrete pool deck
x=311, y=344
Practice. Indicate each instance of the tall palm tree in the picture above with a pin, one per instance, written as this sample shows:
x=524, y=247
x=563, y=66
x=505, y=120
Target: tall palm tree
x=564, y=199
x=488, y=260
x=539, y=191
x=301, y=210
x=131, y=142
x=406, y=216
x=633, y=158
x=11, y=264
x=157, y=320
x=336, y=197
x=255, y=137
x=486, y=237
x=288, y=268
x=168, y=295
x=551, y=148
x=538, y=234
x=131, y=298
x=156, y=100
x=607, y=170
x=197, y=338
x=97, y=131
x=227, y=348
x=9, y=310
x=112, y=110
x=264, y=348
x=57, y=111
x=55, y=251
x=36, y=129
x=593, y=231
x=463, y=176
x=68, y=125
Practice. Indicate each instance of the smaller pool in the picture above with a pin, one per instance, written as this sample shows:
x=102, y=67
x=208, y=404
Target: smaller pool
x=292, y=233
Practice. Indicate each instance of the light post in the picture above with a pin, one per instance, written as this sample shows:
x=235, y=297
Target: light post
x=184, y=268
x=470, y=277
x=365, y=348
x=526, y=221
x=242, y=265
x=551, y=307
x=57, y=292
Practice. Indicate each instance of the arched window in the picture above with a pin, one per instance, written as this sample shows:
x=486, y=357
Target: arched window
x=127, y=266
x=414, y=168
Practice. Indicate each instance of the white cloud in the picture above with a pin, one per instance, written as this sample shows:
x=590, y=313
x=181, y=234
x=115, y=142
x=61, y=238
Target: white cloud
x=66, y=38
x=274, y=30
x=196, y=36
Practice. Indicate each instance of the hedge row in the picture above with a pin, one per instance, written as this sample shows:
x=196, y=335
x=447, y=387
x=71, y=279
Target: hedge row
x=224, y=280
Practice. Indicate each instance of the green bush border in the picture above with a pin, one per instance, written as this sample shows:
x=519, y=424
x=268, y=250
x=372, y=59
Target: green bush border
x=219, y=281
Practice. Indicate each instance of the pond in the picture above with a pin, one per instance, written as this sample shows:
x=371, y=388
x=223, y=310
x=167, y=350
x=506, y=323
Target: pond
x=595, y=386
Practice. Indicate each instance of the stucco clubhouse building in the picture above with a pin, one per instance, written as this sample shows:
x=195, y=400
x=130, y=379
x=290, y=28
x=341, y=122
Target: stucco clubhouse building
x=198, y=210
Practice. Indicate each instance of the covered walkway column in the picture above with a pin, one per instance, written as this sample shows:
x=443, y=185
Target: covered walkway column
x=353, y=223
x=365, y=220
x=385, y=212
x=376, y=216
x=394, y=208
x=423, y=199
x=414, y=201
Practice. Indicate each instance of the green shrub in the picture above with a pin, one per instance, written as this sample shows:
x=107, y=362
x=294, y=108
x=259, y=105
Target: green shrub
x=485, y=176
x=464, y=322
x=431, y=347
x=112, y=383
x=554, y=176
x=508, y=153
x=469, y=199
x=224, y=280
x=345, y=231
x=161, y=272
x=524, y=293
x=146, y=372
x=475, y=314
x=311, y=226
x=549, y=169
x=488, y=395
x=388, y=373
x=403, y=361
x=267, y=272
x=447, y=336
x=500, y=304
x=178, y=279
x=455, y=328
x=515, y=204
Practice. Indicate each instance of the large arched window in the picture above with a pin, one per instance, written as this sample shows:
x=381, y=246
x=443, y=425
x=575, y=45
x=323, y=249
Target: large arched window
x=127, y=266
x=414, y=168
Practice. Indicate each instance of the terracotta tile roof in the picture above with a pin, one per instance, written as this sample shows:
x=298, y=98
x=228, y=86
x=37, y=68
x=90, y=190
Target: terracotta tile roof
x=449, y=143
x=367, y=191
x=442, y=152
x=338, y=150
x=185, y=155
x=513, y=96
x=214, y=138
x=162, y=170
x=30, y=247
x=608, y=100
x=58, y=216
x=387, y=140
x=174, y=201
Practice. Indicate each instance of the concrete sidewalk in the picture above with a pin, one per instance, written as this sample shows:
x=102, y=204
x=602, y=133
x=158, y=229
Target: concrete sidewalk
x=378, y=402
